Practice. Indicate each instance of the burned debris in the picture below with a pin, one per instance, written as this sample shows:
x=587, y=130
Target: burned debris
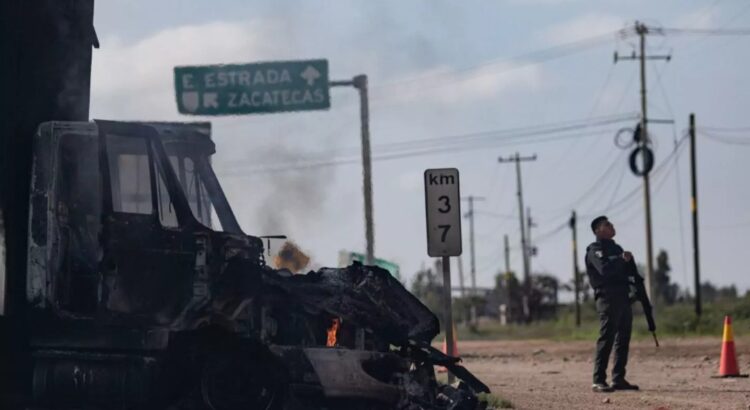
x=147, y=293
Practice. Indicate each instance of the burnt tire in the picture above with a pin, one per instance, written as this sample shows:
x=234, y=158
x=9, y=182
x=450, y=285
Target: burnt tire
x=228, y=385
x=238, y=373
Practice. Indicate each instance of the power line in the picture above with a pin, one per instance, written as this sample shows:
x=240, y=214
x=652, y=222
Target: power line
x=705, y=11
x=706, y=32
x=691, y=31
x=725, y=140
x=658, y=172
x=475, y=137
x=496, y=215
x=659, y=184
x=662, y=90
x=665, y=97
x=617, y=187
x=508, y=64
x=597, y=100
x=428, y=146
x=725, y=129
x=510, y=133
x=666, y=170
x=593, y=188
x=734, y=18
x=727, y=226
x=549, y=234
x=631, y=194
x=601, y=197
x=295, y=166
x=590, y=147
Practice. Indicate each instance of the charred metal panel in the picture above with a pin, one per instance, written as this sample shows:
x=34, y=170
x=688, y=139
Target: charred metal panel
x=150, y=270
x=89, y=335
x=367, y=296
x=2, y=262
x=64, y=379
x=39, y=254
x=342, y=375
x=65, y=219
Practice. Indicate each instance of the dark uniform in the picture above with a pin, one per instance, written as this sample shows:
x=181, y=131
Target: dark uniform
x=609, y=275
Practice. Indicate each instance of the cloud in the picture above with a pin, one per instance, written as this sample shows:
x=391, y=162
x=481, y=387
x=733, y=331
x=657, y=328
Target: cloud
x=444, y=85
x=136, y=80
x=585, y=26
x=410, y=181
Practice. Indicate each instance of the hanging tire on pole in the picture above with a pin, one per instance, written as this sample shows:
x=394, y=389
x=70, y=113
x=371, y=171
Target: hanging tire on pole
x=648, y=160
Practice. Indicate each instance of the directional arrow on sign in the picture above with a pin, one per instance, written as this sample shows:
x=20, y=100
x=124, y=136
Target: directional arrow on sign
x=310, y=75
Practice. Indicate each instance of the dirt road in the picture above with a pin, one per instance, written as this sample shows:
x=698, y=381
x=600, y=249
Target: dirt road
x=557, y=375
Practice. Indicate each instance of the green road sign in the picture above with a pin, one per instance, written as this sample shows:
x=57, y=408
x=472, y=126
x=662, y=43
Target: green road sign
x=255, y=88
x=346, y=259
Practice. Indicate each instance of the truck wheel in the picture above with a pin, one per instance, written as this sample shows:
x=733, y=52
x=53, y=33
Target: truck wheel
x=234, y=380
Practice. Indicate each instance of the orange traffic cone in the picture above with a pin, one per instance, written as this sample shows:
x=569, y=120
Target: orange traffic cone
x=728, y=365
x=454, y=353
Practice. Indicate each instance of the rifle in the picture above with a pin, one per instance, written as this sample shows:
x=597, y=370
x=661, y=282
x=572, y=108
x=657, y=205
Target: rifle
x=642, y=296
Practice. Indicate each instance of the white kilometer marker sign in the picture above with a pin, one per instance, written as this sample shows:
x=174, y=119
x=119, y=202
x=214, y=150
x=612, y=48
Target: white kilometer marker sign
x=443, y=209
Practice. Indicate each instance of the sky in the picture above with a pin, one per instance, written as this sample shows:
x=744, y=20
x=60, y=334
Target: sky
x=463, y=74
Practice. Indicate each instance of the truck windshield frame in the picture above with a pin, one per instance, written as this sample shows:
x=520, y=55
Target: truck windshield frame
x=181, y=197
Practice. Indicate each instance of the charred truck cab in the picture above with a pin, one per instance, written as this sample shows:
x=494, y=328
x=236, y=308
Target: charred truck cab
x=145, y=293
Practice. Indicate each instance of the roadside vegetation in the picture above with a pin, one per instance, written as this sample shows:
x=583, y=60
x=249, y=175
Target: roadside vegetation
x=677, y=320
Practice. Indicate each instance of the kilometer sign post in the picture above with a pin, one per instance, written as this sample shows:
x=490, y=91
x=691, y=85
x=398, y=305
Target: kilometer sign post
x=231, y=89
x=443, y=211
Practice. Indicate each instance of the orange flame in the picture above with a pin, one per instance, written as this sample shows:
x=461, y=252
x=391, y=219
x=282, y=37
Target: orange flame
x=332, y=331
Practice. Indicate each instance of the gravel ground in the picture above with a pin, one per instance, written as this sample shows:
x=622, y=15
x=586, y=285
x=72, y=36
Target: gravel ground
x=557, y=375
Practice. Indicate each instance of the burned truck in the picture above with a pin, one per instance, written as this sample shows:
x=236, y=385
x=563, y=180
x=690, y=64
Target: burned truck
x=145, y=293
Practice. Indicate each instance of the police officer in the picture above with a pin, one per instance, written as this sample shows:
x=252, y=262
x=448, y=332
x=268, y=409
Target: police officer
x=606, y=267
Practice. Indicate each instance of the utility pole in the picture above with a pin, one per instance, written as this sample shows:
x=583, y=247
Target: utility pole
x=524, y=248
x=360, y=83
x=576, y=274
x=530, y=224
x=508, y=304
x=642, y=30
x=472, y=261
x=461, y=276
x=694, y=212
x=507, y=254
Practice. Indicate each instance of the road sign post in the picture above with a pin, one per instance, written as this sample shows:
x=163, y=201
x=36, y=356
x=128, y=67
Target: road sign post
x=268, y=87
x=360, y=83
x=443, y=211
